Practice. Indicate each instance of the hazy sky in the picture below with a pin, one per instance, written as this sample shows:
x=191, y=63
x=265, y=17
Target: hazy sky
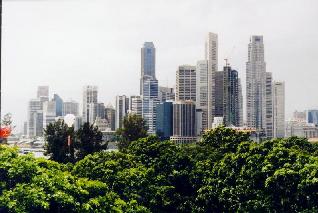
x=67, y=44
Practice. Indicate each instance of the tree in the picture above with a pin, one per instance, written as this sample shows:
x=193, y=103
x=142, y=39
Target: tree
x=56, y=136
x=88, y=140
x=134, y=127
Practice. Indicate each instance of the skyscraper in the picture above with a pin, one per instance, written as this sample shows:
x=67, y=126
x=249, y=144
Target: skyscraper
x=70, y=107
x=49, y=112
x=164, y=115
x=186, y=83
x=122, y=106
x=211, y=55
x=279, y=109
x=166, y=94
x=135, y=105
x=269, y=106
x=202, y=92
x=89, y=96
x=58, y=105
x=240, y=102
x=110, y=115
x=148, y=62
x=34, y=121
x=96, y=110
x=258, y=88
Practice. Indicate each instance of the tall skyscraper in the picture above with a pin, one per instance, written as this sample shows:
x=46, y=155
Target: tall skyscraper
x=279, y=109
x=34, y=121
x=240, y=100
x=89, y=96
x=258, y=88
x=269, y=106
x=202, y=92
x=211, y=55
x=70, y=107
x=49, y=113
x=148, y=62
x=184, y=128
x=58, y=104
x=96, y=110
x=122, y=106
x=164, y=115
x=186, y=83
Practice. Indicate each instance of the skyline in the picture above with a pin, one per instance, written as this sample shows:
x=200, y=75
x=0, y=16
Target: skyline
x=57, y=50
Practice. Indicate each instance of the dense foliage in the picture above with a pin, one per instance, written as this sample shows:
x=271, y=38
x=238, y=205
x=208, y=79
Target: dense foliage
x=225, y=172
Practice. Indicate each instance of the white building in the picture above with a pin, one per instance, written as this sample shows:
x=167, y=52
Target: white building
x=135, y=105
x=186, y=83
x=89, y=96
x=202, y=93
x=279, y=109
x=34, y=111
x=49, y=113
x=211, y=55
x=122, y=107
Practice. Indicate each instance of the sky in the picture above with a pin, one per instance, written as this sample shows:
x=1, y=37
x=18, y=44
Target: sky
x=67, y=44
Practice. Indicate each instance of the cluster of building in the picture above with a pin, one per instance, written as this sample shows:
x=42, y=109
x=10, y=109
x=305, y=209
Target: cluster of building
x=203, y=98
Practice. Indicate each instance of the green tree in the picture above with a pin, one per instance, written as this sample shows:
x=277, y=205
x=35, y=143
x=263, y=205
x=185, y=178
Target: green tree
x=56, y=136
x=88, y=140
x=134, y=127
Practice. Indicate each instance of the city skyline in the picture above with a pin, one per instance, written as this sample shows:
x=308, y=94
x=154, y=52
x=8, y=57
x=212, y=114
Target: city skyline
x=46, y=67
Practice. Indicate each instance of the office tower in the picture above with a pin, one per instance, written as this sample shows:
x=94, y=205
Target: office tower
x=240, y=103
x=312, y=116
x=49, y=113
x=96, y=110
x=186, y=83
x=122, y=106
x=184, y=128
x=70, y=107
x=38, y=123
x=89, y=96
x=258, y=88
x=135, y=105
x=34, y=110
x=202, y=93
x=269, y=106
x=211, y=55
x=59, y=105
x=110, y=115
x=227, y=96
x=166, y=94
x=149, y=102
x=164, y=115
x=43, y=91
x=148, y=62
x=279, y=109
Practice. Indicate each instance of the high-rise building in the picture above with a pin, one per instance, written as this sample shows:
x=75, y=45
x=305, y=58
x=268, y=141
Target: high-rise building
x=96, y=110
x=211, y=55
x=186, y=83
x=34, y=111
x=240, y=100
x=149, y=102
x=58, y=104
x=89, y=96
x=110, y=115
x=184, y=127
x=312, y=116
x=122, y=107
x=148, y=62
x=166, y=94
x=43, y=91
x=279, y=109
x=258, y=88
x=202, y=93
x=49, y=113
x=135, y=105
x=70, y=107
x=164, y=115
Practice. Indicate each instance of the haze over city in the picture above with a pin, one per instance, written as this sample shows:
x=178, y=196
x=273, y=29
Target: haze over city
x=69, y=44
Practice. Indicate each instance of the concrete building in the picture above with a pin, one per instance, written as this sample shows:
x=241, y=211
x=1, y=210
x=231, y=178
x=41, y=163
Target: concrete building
x=184, y=128
x=301, y=129
x=122, y=107
x=148, y=62
x=70, y=107
x=164, y=124
x=135, y=105
x=211, y=55
x=279, y=109
x=110, y=115
x=240, y=100
x=186, y=83
x=96, y=110
x=269, y=126
x=166, y=94
x=49, y=113
x=89, y=96
x=58, y=105
x=34, y=111
x=202, y=94
x=258, y=88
